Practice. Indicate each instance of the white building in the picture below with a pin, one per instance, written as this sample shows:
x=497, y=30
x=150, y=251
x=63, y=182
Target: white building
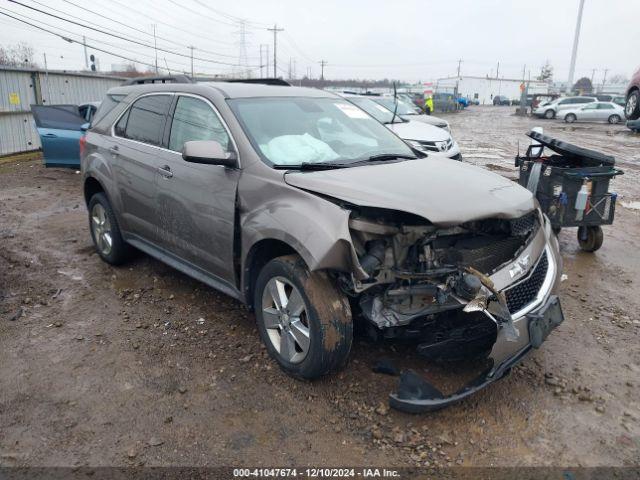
x=484, y=89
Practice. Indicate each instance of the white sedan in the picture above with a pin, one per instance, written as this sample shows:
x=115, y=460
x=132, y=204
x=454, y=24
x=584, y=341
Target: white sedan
x=595, y=112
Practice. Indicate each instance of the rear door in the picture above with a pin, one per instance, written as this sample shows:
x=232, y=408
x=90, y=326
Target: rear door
x=59, y=127
x=135, y=149
x=589, y=112
x=196, y=202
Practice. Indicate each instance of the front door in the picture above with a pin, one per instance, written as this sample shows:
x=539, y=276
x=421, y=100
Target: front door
x=59, y=127
x=195, y=202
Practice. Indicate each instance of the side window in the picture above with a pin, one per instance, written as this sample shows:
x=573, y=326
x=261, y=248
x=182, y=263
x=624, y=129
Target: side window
x=605, y=106
x=564, y=102
x=146, y=119
x=121, y=126
x=588, y=100
x=194, y=119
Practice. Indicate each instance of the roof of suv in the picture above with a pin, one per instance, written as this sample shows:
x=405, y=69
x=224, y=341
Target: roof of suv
x=228, y=89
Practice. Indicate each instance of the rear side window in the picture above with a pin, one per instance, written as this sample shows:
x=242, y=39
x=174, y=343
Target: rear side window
x=194, y=119
x=108, y=104
x=605, y=106
x=145, y=119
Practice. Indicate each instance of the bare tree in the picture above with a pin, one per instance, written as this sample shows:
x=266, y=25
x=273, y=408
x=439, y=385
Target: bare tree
x=619, y=79
x=18, y=55
x=546, y=72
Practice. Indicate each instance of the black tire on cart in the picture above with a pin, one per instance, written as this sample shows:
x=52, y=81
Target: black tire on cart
x=590, y=238
x=556, y=230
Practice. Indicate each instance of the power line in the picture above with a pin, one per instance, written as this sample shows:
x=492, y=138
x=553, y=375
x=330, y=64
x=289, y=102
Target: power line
x=229, y=16
x=128, y=26
x=122, y=37
x=108, y=52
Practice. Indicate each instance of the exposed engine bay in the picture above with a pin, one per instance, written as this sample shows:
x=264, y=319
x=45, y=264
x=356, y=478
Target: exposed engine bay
x=431, y=283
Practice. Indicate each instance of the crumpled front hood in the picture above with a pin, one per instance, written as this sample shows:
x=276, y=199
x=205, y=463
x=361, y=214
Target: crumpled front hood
x=419, y=131
x=442, y=191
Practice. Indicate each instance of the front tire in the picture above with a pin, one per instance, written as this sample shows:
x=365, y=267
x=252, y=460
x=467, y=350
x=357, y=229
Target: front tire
x=613, y=119
x=105, y=231
x=303, y=319
x=570, y=118
x=549, y=114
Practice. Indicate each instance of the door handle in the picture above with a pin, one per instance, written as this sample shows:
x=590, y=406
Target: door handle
x=165, y=171
x=50, y=135
x=114, y=150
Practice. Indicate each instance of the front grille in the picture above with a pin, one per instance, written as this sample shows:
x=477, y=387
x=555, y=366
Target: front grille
x=443, y=146
x=525, y=292
x=524, y=225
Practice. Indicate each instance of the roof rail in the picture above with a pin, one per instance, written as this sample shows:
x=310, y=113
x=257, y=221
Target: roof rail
x=159, y=79
x=264, y=81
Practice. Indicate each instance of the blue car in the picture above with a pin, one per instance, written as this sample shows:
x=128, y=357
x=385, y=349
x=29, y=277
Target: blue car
x=60, y=128
x=463, y=102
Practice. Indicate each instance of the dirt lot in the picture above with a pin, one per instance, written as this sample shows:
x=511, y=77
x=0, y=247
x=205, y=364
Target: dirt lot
x=142, y=365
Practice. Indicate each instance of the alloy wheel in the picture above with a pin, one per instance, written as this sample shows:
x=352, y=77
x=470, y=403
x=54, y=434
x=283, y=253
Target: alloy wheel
x=101, y=227
x=284, y=313
x=632, y=103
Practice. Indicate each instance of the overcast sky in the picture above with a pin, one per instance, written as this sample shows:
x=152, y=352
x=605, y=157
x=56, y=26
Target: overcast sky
x=407, y=40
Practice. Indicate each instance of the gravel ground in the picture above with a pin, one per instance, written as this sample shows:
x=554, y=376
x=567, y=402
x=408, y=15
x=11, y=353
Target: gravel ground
x=140, y=365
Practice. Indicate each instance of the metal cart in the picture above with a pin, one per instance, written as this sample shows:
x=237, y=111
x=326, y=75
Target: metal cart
x=571, y=185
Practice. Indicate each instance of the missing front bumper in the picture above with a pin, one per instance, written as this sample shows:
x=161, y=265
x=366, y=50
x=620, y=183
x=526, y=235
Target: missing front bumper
x=416, y=395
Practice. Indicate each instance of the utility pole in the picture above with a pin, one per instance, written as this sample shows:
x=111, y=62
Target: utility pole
x=322, y=65
x=497, y=70
x=46, y=76
x=460, y=63
x=86, y=57
x=155, y=45
x=458, y=79
x=574, y=52
x=192, y=48
x=593, y=74
x=266, y=59
x=275, y=31
x=604, y=79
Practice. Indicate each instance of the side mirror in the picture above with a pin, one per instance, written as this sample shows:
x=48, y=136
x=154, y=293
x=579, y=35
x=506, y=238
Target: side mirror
x=208, y=152
x=85, y=126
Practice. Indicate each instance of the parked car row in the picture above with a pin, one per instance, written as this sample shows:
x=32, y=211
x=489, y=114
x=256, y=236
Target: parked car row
x=309, y=208
x=609, y=108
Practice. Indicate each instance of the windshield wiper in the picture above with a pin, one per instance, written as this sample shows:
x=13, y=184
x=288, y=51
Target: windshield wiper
x=312, y=166
x=388, y=156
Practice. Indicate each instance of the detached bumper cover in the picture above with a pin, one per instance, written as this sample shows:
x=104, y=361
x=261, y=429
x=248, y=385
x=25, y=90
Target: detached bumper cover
x=416, y=395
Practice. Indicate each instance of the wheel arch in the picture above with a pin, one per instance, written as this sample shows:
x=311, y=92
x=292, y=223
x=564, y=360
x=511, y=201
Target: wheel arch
x=261, y=253
x=92, y=186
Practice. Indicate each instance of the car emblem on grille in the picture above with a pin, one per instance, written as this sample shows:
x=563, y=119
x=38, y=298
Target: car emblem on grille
x=442, y=146
x=520, y=266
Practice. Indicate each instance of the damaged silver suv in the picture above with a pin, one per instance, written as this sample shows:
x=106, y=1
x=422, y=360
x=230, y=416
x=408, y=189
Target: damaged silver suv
x=310, y=211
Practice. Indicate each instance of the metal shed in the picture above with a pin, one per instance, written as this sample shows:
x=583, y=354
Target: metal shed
x=22, y=87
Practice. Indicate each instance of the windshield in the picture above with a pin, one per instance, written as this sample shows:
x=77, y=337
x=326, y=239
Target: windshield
x=300, y=130
x=389, y=104
x=376, y=111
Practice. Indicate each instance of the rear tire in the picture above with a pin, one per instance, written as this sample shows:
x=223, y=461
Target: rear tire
x=549, y=114
x=593, y=238
x=613, y=119
x=570, y=118
x=105, y=231
x=632, y=107
x=303, y=319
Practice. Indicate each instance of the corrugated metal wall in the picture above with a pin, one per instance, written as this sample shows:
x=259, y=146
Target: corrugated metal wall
x=19, y=88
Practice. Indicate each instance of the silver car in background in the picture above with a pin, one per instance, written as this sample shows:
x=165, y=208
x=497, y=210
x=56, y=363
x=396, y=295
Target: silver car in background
x=557, y=107
x=595, y=112
x=410, y=112
x=421, y=136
